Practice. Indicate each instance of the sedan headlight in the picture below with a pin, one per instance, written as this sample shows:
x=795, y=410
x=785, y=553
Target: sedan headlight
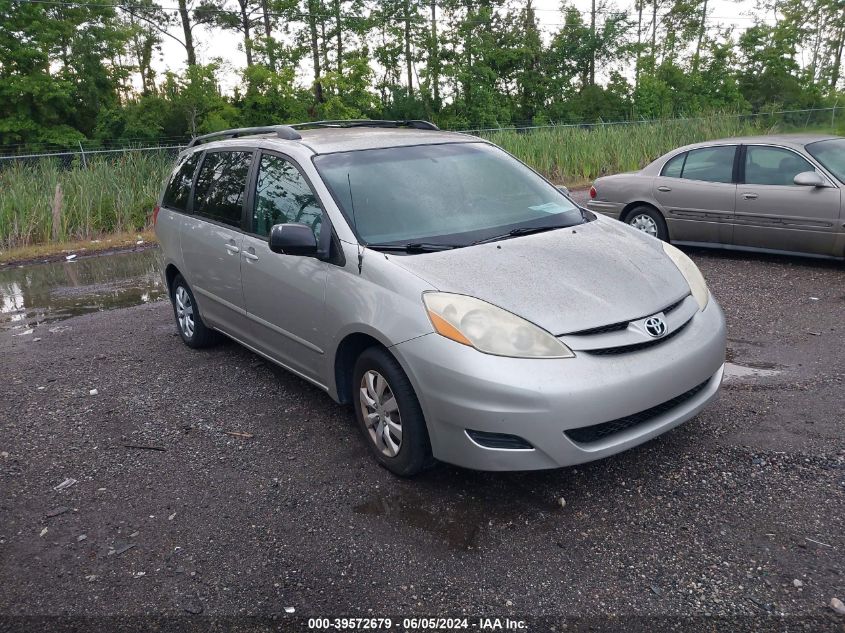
x=691, y=273
x=490, y=329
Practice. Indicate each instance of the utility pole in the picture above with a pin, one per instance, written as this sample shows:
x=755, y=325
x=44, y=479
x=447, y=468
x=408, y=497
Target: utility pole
x=593, y=44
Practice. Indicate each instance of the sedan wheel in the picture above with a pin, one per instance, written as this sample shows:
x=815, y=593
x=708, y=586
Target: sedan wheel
x=649, y=221
x=644, y=223
x=381, y=413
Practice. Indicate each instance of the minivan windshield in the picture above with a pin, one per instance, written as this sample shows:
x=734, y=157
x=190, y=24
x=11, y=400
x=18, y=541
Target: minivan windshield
x=831, y=154
x=451, y=194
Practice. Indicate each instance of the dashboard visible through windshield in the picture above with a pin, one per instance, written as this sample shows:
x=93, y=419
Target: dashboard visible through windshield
x=445, y=195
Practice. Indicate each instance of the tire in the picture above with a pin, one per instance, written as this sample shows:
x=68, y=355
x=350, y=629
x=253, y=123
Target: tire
x=193, y=331
x=648, y=220
x=414, y=448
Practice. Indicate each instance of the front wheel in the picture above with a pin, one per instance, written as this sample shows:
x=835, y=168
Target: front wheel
x=649, y=221
x=389, y=414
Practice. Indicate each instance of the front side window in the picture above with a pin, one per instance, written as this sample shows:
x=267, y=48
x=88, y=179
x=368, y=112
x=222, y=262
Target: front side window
x=450, y=194
x=831, y=154
x=221, y=185
x=282, y=195
x=710, y=164
x=178, y=190
x=773, y=166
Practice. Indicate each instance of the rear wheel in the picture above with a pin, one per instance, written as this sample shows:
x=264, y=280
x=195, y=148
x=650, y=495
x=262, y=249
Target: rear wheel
x=189, y=323
x=389, y=414
x=649, y=221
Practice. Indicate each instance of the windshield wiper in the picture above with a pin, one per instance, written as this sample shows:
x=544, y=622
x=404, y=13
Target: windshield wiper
x=522, y=230
x=413, y=247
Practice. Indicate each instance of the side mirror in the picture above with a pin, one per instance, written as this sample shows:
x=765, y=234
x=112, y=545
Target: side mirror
x=809, y=179
x=563, y=190
x=293, y=239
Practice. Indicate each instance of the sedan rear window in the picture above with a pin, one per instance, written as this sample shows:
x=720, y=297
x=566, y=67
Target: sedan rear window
x=710, y=164
x=451, y=194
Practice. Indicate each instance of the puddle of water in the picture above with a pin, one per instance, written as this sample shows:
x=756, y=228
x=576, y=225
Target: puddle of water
x=39, y=294
x=457, y=534
x=732, y=370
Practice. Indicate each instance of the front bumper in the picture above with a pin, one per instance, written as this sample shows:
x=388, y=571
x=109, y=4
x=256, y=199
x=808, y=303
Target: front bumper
x=460, y=388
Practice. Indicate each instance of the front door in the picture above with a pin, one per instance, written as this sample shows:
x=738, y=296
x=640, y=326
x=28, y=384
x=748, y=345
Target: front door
x=773, y=212
x=285, y=294
x=212, y=240
x=696, y=191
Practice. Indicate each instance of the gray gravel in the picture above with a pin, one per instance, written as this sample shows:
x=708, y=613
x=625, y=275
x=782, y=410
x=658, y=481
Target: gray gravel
x=170, y=515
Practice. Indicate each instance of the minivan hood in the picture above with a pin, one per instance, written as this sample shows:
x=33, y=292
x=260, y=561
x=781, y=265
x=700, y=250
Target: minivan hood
x=566, y=280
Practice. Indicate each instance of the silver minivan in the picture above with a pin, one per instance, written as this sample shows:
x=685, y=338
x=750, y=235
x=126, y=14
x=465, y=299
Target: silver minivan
x=465, y=307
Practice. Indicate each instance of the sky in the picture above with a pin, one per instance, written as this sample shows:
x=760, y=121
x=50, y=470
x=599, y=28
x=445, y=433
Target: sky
x=216, y=43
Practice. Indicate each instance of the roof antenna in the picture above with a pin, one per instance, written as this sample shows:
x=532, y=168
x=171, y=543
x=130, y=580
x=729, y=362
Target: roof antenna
x=354, y=221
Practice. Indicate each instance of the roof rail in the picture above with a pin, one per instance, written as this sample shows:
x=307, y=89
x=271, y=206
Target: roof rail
x=282, y=131
x=346, y=123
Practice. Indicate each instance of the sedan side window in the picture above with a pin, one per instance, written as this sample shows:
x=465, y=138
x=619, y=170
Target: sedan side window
x=282, y=195
x=674, y=167
x=221, y=185
x=711, y=164
x=773, y=166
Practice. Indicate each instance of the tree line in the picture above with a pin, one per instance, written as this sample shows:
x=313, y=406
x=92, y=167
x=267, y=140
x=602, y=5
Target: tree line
x=73, y=71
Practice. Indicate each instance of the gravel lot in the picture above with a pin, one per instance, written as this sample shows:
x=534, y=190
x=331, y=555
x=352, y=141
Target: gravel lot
x=739, y=513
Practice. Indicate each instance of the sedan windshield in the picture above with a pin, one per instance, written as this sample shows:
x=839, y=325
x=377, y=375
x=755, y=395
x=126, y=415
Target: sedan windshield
x=831, y=154
x=452, y=194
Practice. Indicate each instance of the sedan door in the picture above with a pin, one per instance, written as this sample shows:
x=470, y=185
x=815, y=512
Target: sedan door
x=212, y=240
x=697, y=192
x=772, y=212
x=285, y=294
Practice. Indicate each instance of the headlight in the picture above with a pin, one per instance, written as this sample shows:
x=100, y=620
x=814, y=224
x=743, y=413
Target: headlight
x=490, y=329
x=691, y=273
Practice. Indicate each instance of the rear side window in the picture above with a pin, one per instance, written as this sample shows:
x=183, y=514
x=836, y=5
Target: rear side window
x=221, y=186
x=673, y=168
x=178, y=190
x=282, y=195
x=710, y=164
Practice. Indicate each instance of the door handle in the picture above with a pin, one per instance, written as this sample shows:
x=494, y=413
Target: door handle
x=232, y=248
x=251, y=255
x=749, y=196
x=664, y=188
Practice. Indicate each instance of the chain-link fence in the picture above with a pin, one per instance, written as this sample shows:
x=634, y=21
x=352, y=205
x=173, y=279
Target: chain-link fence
x=830, y=120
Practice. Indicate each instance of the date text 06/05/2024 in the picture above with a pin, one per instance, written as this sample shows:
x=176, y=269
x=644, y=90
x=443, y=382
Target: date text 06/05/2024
x=418, y=624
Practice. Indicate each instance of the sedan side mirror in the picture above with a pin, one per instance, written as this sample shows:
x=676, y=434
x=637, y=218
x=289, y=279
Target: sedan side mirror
x=563, y=190
x=809, y=179
x=293, y=239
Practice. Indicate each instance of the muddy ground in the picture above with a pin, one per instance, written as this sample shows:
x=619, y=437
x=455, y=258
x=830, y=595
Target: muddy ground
x=210, y=483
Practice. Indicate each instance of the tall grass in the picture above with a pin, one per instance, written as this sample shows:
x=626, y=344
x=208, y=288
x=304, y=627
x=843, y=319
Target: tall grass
x=574, y=155
x=117, y=194
x=107, y=195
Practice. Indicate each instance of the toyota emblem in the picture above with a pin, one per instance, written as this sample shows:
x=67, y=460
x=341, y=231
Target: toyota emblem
x=655, y=326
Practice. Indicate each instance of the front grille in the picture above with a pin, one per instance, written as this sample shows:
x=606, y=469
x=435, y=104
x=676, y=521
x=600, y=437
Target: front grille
x=596, y=432
x=625, y=349
x=615, y=327
x=498, y=440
